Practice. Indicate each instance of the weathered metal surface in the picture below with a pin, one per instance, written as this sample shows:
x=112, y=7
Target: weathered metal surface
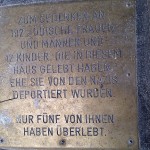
x=68, y=75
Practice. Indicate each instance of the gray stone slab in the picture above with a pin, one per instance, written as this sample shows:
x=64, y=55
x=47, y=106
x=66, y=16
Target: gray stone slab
x=143, y=61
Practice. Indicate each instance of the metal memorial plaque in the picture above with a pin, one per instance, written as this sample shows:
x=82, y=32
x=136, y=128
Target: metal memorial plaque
x=68, y=75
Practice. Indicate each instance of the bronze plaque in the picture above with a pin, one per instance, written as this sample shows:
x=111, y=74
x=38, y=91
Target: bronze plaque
x=68, y=75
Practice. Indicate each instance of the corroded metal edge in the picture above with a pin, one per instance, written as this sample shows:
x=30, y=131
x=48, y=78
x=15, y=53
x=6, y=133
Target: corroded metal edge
x=24, y=2
x=29, y=2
